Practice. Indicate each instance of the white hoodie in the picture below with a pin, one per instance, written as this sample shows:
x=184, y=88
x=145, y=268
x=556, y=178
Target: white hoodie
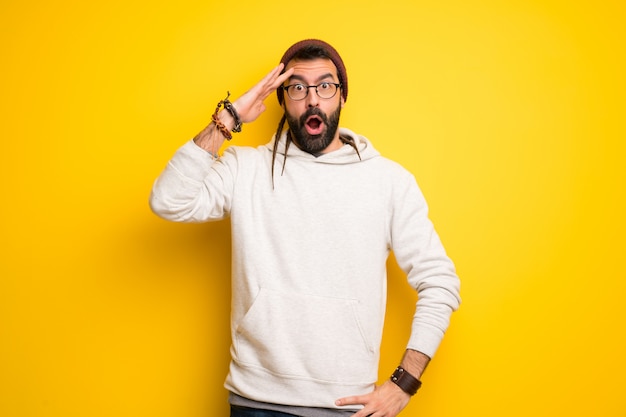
x=309, y=262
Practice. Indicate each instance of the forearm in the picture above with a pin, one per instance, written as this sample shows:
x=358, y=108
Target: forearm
x=211, y=138
x=247, y=108
x=414, y=362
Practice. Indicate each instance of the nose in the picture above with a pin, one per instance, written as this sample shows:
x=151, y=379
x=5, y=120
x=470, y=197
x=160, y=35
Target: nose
x=312, y=98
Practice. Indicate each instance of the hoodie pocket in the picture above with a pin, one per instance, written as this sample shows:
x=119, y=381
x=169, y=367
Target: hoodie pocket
x=304, y=336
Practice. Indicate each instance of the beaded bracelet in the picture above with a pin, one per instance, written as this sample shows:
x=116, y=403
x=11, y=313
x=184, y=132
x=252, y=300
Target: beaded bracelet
x=222, y=128
x=219, y=124
x=233, y=112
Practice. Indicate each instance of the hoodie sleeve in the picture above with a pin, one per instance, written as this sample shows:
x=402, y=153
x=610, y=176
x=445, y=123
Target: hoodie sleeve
x=421, y=255
x=194, y=187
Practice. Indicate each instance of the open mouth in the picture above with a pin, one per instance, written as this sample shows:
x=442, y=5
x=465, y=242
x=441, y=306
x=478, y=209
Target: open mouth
x=314, y=125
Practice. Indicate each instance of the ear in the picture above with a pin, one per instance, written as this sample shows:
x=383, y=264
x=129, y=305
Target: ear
x=343, y=102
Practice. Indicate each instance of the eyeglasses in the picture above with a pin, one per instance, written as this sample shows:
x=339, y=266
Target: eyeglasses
x=324, y=90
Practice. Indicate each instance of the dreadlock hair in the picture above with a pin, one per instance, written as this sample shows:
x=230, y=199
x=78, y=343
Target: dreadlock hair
x=279, y=132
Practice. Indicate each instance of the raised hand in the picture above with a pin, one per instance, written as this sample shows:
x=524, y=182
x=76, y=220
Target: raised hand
x=251, y=104
x=249, y=107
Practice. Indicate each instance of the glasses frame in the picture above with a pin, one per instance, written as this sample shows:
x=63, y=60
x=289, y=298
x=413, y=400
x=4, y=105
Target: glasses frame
x=285, y=88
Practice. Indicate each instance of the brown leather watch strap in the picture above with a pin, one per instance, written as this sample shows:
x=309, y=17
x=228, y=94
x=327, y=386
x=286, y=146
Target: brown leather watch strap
x=407, y=382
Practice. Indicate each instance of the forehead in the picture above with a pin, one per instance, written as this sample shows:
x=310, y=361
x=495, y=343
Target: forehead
x=312, y=69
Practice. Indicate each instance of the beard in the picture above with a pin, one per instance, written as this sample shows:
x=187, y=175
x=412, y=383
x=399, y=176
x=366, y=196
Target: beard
x=313, y=144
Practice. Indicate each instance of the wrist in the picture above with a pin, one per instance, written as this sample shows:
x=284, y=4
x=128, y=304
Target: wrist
x=229, y=115
x=232, y=111
x=227, y=119
x=407, y=382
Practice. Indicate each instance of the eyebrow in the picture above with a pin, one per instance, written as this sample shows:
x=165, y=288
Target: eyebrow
x=297, y=77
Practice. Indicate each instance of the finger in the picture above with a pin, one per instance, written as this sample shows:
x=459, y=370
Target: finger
x=272, y=76
x=278, y=78
x=273, y=84
x=282, y=77
x=267, y=84
x=364, y=412
x=353, y=400
x=273, y=73
x=259, y=89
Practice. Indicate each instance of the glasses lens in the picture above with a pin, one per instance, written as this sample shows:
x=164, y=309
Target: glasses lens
x=326, y=90
x=297, y=91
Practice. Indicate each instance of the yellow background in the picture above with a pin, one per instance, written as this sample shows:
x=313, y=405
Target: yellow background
x=510, y=114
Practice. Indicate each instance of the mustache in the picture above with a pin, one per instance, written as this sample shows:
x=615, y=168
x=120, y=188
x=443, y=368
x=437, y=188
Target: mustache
x=313, y=111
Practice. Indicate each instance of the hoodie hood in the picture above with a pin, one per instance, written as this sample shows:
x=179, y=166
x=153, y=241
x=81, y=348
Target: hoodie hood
x=344, y=155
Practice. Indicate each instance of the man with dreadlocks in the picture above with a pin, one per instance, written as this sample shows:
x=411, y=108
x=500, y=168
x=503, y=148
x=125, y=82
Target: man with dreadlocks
x=314, y=215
